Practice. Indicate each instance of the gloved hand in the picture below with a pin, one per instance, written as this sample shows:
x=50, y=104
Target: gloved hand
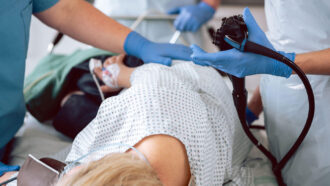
x=250, y=116
x=7, y=168
x=162, y=53
x=242, y=64
x=192, y=17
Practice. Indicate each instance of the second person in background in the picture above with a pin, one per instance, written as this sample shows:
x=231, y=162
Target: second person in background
x=192, y=15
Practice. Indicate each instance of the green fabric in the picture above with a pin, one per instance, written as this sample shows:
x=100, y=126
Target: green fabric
x=44, y=87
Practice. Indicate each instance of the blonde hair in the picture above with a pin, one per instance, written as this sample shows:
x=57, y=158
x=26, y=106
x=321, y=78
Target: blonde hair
x=114, y=169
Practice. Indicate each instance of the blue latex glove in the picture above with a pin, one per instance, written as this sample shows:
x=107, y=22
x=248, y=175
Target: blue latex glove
x=192, y=17
x=7, y=168
x=242, y=64
x=250, y=116
x=148, y=51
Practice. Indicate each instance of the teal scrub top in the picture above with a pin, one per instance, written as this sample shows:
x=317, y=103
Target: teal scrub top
x=15, y=18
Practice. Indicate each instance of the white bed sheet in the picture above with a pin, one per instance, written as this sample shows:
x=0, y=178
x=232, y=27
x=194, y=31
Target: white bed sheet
x=42, y=140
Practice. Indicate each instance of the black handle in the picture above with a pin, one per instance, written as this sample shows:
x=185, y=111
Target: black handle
x=58, y=38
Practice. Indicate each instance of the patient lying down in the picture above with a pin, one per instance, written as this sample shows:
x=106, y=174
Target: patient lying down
x=181, y=120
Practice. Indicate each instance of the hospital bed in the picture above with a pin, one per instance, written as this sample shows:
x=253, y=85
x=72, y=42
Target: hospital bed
x=42, y=140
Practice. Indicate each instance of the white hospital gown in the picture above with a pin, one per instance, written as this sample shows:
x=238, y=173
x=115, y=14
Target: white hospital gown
x=186, y=101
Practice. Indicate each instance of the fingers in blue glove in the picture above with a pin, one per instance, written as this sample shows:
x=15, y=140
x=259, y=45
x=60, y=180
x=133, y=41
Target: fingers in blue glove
x=148, y=51
x=174, y=51
x=182, y=22
x=163, y=60
x=191, y=17
x=194, y=28
x=198, y=52
x=175, y=10
x=249, y=20
x=192, y=24
x=256, y=34
x=179, y=25
x=199, y=55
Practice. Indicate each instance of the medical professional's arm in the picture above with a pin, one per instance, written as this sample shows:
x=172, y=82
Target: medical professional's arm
x=80, y=20
x=241, y=64
x=83, y=22
x=317, y=62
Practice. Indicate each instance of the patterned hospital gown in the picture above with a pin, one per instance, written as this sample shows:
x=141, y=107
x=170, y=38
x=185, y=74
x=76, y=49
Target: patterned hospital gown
x=186, y=101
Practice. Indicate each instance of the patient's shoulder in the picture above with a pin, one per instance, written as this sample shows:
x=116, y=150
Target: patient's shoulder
x=167, y=155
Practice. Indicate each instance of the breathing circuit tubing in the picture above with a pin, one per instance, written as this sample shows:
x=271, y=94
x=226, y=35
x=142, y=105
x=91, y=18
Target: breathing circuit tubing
x=233, y=34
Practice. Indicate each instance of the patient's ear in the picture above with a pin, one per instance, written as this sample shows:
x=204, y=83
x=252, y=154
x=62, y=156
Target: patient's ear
x=168, y=156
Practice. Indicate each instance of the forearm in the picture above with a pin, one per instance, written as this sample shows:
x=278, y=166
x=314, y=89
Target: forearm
x=81, y=21
x=317, y=62
x=311, y=63
x=213, y=3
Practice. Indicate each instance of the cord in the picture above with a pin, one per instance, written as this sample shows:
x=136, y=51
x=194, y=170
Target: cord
x=240, y=103
x=233, y=33
x=258, y=49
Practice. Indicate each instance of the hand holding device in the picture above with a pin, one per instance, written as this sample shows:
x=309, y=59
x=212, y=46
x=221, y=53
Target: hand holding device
x=150, y=52
x=241, y=64
x=192, y=17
